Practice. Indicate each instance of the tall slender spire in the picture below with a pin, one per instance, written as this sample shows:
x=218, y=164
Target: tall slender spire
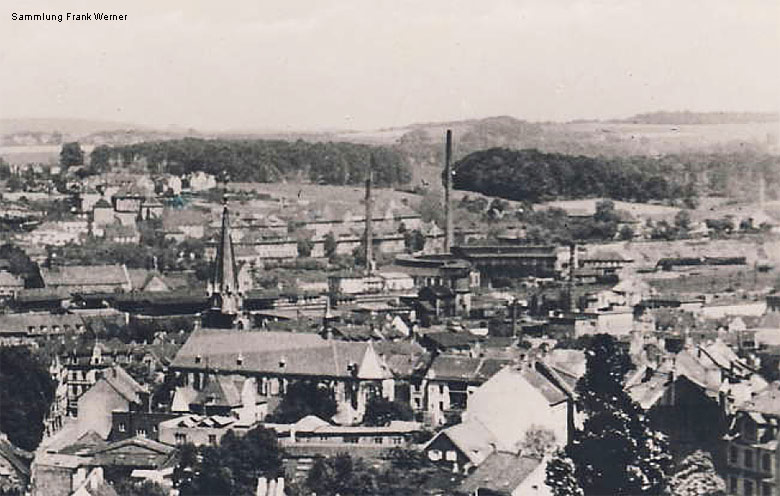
x=225, y=300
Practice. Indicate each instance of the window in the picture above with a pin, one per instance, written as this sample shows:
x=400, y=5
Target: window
x=748, y=487
x=434, y=455
x=213, y=439
x=734, y=455
x=180, y=438
x=140, y=432
x=122, y=427
x=748, y=459
x=766, y=462
x=379, y=440
x=452, y=456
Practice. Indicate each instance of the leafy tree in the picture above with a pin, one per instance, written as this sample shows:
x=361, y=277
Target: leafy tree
x=71, y=154
x=21, y=265
x=561, y=478
x=340, y=475
x=304, y=248
x=128, y=487
x=26, y=392
x=616, y=452
x=626, y=233
x=330, y=245
x=304, y=398
x=233, y=467
x=682, y=222
x=381, y=411
x=414, y=240
x=98, y=159
x=15, y=183
x=431, y=209
x=696, y=476
x=538, y=442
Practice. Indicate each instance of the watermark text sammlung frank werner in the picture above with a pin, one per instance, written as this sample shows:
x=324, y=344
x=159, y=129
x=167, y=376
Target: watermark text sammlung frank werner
x=69, y=16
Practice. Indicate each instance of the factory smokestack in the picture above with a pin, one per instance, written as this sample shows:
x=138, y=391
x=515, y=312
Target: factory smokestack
x=570, y=303
x=448, y=230
x=369, y=218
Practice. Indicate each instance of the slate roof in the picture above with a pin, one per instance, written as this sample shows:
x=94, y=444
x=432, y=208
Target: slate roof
x=606, y=256
x=270, y=352
x=135, y=452
x=193, y=421
x=501, y=473
x=472, y=438
x=124, y=384
x=18, y=322
x=219, y=391
x=447, y=340
x=84, y=275
x=456, y=367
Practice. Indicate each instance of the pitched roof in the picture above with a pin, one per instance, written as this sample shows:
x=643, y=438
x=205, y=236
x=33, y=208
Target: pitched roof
x=465, y=368
x=135, y=452
x=283, y=353
x=17, y=457
x=607, y=256
x=219, y=391
x=83, y=275
x=124, y=384
x=473, y=439
x=501, y=473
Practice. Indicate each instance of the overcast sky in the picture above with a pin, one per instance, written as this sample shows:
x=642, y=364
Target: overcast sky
x=361, y=64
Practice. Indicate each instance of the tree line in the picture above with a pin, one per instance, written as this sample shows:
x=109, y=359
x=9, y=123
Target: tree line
x=261, y=160
x=534, y=176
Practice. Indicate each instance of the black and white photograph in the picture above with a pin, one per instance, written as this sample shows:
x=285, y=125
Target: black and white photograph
x=390, y=248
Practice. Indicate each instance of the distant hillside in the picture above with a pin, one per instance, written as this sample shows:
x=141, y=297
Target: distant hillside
x=696, y=118
x=72, y=127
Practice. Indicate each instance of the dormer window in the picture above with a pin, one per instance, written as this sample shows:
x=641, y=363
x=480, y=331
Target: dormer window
x=198, y=358
x=240, y=359
x=282, y=362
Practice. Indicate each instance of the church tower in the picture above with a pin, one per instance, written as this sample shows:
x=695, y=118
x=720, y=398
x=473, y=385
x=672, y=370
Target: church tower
x=225, y=300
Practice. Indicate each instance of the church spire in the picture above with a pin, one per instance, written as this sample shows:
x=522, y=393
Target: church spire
x=225, y=299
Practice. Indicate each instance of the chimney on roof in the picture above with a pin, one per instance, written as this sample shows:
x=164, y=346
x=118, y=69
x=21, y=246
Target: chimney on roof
x=447, y=187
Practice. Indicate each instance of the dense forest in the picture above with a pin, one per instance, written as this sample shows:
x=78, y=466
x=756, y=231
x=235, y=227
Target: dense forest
x=530, y=175
x=534, y=176
x=262, y=160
